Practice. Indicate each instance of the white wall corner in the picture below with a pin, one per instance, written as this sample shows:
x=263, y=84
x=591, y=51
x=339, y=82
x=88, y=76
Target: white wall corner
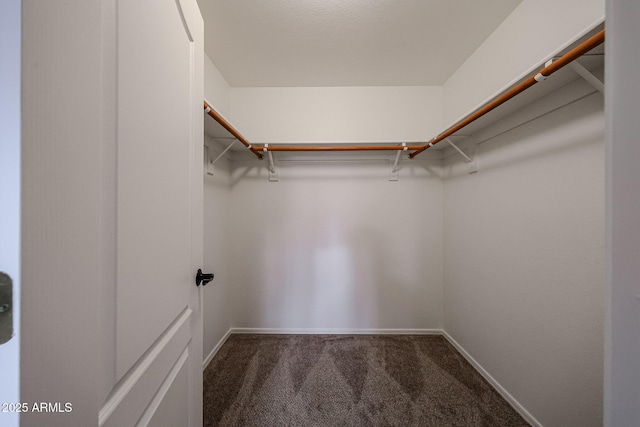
x=496, y=385
x=216, y=88
x=215, y=349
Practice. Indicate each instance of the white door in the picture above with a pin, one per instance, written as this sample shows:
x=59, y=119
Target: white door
x=10, y=209
x=159, y=215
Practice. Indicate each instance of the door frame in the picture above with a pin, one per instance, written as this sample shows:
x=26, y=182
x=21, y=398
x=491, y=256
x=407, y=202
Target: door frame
x=10, y=170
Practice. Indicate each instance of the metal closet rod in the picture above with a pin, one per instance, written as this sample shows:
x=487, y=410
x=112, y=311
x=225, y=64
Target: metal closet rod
x=565, y=59
x=225, y=124
x=335, y=148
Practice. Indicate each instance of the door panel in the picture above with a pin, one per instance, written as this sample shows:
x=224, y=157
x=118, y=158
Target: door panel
x=158, y=316
x=154, y=131
x=172, y=408
x=128, y=402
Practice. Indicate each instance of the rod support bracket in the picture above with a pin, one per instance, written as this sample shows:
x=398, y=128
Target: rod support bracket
x=470, y=157
x=393, y=174
x=472, y=166
x=540, y=77
x=588, y=76
x=208, y=164
x=273, y=174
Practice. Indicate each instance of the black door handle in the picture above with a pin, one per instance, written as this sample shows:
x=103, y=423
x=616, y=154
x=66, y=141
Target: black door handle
x=203, y=278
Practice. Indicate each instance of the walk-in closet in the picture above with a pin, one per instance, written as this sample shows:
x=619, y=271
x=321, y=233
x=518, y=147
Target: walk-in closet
x=265, y=213
x=473, y=211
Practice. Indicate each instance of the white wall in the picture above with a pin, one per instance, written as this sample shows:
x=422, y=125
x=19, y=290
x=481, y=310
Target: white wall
x=622, y=367
x=336, y=245
x=524, y=264
x=533, y=32
x=216, y=220
x=217, y=236
x=216, y=88
x=337, y=114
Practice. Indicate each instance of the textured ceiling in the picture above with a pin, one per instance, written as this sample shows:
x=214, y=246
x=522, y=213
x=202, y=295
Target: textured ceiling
x=346, y=42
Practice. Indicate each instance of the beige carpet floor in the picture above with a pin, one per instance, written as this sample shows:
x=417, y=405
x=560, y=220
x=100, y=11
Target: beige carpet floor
x=348, y=380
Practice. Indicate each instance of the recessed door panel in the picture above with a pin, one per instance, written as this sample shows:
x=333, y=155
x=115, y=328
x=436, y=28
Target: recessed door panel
x=154, y=194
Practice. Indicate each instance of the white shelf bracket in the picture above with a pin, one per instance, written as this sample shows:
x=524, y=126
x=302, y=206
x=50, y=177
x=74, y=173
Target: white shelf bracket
x=588, y=76
x=472, y=162
x=472, y=166
x=224, y=152
x=209, y=164
x=273, y=175
x=393, y=174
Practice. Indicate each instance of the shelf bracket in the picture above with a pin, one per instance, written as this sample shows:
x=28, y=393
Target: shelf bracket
x=393, y=174
x=472, y=162
x=209, y=165
x=273, y=175
x=588, y=76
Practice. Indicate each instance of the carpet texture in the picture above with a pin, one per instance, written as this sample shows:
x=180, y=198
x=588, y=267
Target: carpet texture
x=348, y=380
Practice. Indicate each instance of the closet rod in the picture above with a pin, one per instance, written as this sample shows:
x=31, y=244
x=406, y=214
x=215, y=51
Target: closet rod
x=335, y=148
x=565, y=59
x=225, y=124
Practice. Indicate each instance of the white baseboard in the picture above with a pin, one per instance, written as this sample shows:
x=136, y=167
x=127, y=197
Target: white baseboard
x=302, y=331
x=289, y=331
x=211, y=355
x=503, y=392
